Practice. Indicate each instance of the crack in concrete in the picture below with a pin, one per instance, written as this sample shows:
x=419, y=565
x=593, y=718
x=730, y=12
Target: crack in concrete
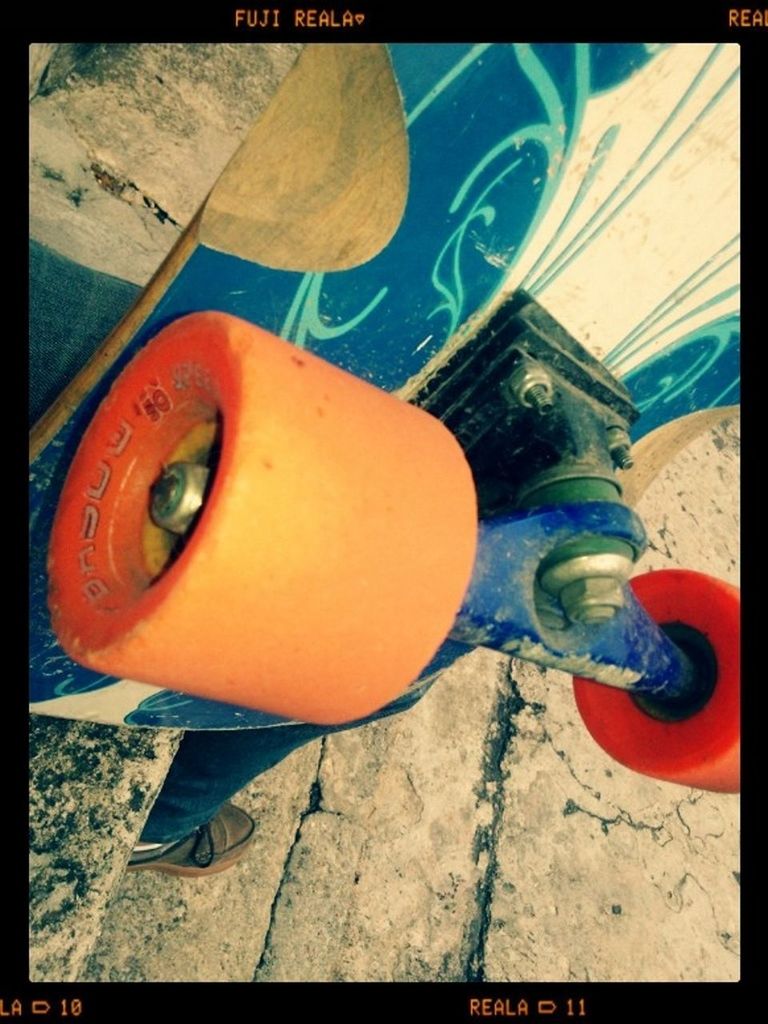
x=622, y=818
x=109, y=181
x=416, y=794
x=723, y=937
x=127, y=190
x=112, y=182
x=562, y=754
x=673, y=900
x=691, y=801
x=663, y=532
x=498, y=741
x=314, y=806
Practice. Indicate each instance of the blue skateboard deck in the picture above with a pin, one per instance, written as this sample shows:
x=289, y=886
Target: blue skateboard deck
x=578, y=172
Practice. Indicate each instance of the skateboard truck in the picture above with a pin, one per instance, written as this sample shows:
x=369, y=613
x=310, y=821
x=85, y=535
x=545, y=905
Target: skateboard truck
x=542, y=423
x=547, y=565
x=545, y=427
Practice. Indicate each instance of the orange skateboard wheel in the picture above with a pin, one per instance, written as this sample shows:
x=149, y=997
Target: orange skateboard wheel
x=701, y=750
x=328, y=560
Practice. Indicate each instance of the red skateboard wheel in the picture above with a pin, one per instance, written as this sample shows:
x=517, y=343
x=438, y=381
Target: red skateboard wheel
x=329, y=558
x=703, y=749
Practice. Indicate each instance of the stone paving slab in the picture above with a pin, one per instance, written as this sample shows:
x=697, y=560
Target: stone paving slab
x=91, y=789
x=126, y=141
x=388, y=869
x=162, y=928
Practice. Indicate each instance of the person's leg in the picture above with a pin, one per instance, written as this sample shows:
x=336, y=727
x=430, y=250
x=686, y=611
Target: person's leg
x=72, y=309
x=210, y=767
x=193, y=830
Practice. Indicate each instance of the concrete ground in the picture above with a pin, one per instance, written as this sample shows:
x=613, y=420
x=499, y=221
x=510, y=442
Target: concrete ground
x=482, y=835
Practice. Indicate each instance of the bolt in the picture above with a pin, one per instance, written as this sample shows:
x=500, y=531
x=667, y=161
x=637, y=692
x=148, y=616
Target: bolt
x=588, y=587
x=177, y=495
x=531, y=385
x=592, y=600
x=539, y=398
x=620, y=445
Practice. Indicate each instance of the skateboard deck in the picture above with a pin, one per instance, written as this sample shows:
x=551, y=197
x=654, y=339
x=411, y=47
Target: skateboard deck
x=577, y=172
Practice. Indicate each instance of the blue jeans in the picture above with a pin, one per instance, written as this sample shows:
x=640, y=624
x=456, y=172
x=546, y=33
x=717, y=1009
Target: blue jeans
x=72, y=309
x=210, y=767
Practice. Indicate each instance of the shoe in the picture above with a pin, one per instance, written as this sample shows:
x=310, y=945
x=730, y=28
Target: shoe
x=209, y=849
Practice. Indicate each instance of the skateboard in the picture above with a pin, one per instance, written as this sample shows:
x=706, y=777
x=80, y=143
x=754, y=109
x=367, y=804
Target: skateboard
x=475, y=200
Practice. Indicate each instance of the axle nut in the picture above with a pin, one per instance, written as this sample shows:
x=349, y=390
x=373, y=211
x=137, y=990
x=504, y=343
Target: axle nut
x=592, y=600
